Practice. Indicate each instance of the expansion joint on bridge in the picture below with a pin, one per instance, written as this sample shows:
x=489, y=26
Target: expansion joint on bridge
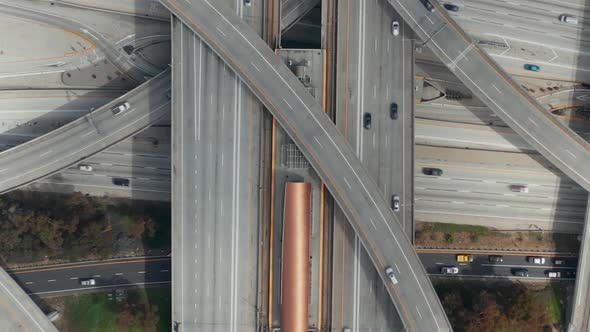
x=434, y=34
x=461, y=55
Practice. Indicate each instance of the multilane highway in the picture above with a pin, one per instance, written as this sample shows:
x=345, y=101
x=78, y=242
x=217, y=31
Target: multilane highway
x=215, y=188
x=327, y=151
x=497, y=90
x=94, y=132
x=374, y=70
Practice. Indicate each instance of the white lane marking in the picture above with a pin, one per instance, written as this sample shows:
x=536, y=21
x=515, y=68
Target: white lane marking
x=88, y=133
x=372, y=223
x=495, y=87
x=141, y=272
x=197, y=105
x=533, y=122
x=221, y=32
x=318, y=141
x=573, y=155
x=96, y=287
x=96, y=276
x=119, y=274
x=397, y=268
x=348, y=184
x=45, y=153
x=29, y=283
x=51, y=280
x=74, y=278
x=428, y=18
x=418, y=311
x=164, y=271
x=253, y=65
x=285, y=100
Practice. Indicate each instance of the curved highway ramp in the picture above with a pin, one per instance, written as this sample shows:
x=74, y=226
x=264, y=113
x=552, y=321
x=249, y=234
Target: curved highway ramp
x=79, y=139
x=328, y=152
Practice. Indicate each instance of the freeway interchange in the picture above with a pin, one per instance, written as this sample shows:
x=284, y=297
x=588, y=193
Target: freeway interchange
x=352, y=182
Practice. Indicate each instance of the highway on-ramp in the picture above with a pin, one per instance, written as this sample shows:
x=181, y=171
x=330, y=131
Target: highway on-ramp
x=336, y=163
x=84, y=137
x=559, y=144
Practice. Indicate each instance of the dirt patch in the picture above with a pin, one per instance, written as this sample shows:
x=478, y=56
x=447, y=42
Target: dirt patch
x=454, y=236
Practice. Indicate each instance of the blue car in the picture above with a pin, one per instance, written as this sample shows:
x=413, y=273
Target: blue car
x=532, y=67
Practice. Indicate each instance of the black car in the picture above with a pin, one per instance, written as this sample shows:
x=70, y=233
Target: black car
x=367, y=120
x=520, y=272
x=569, y=274
x=428, y=5
x=451, y=7
x=495, y=259
x=432, y=171
x=121, y=182
x=393, y=111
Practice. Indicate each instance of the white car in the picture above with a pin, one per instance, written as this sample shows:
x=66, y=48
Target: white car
x=395, y=28
x=88, y=282
x=568, y=19
x=395, y=203
x=84, y=167
x=391, y=275
x=449, y=270
x=122, y=107
x=536, y=260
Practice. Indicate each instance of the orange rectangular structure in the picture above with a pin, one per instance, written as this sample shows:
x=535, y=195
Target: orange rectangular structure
x=296, y=268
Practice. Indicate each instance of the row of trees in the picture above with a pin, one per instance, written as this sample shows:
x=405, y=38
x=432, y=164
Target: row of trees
x=485, y=307
x=36, y=225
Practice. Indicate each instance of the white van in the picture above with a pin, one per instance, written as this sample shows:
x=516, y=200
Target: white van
x=568, y=19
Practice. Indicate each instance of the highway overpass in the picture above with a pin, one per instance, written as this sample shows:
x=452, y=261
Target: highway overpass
x=497, y=90
x=79, y=139
x=270, y=79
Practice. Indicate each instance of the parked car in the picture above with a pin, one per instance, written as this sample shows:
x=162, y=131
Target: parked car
x=395, y=28
x=88, y=282
x=568, y=19
x=449, y=270
x=432, y=171
x=121, y=182
x=85, y=167
x=520, y=272
x=519, y=188
x=451, y=7
x=536, y=260
x=558, y=261
x=530, y=67
x=395, y=203
x=464, y=258
x=495, y=259
x=367, y=119
x=553, y=274
x=120, y=108
x=391, y=275
x=393, y=111
x=428, y=5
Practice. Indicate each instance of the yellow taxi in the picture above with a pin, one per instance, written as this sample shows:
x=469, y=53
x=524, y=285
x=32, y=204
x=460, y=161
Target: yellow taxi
x=464, y=258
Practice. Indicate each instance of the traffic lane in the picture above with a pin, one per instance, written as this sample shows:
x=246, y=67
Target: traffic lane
x=48, y=153
x=62, y=278
x=338, y=166
x=525, y=115
x=481, y=265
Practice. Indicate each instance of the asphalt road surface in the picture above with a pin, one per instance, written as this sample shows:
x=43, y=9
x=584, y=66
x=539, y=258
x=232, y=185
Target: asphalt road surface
x=216, y=135
x=326, y=149
x=65, y=279
x=482, y=267
x=497, y=90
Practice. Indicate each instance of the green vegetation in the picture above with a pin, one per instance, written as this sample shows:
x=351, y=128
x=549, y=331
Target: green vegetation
x=476, y=306
x=43, y=226
x=556, y=294
x=474, y=230
x=140, y=310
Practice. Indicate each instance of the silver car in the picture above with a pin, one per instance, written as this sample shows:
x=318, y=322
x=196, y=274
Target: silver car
x=395, y=203
x=391, y=275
